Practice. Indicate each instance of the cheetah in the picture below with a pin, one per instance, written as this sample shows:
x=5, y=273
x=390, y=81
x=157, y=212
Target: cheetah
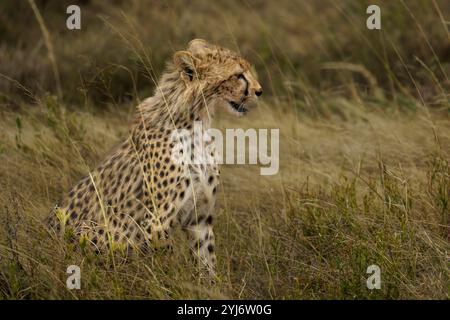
x=139, y=194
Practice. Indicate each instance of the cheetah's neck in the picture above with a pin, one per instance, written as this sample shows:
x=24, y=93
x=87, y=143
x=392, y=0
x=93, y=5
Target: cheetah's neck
x=174, y=103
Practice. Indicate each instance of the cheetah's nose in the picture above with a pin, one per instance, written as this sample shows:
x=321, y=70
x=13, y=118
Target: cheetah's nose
x=258, y=92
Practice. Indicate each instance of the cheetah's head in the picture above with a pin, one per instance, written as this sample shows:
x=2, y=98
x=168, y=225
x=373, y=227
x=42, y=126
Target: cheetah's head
x=220, y=74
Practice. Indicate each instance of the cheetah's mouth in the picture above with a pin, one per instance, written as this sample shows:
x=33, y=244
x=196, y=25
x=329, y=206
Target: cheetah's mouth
x=238, y=107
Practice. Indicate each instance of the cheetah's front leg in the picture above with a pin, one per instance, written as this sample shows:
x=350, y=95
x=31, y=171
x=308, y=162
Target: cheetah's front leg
x=201, y=238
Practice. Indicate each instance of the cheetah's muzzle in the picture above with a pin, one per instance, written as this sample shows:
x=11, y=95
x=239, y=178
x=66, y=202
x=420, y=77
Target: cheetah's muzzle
x=239, y=107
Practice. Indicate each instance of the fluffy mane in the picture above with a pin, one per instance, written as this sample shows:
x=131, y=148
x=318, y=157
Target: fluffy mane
x=172, y=99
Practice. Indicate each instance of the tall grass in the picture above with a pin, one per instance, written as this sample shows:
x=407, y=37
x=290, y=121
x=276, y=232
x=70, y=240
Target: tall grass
x=364, y=135
x=349, y=194
x=48, y=44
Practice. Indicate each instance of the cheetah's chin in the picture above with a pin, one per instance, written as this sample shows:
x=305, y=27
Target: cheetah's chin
x=238, y=107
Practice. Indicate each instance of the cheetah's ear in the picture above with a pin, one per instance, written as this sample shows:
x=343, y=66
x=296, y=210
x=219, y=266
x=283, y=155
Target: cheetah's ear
x=198, y=46
x=186, y=64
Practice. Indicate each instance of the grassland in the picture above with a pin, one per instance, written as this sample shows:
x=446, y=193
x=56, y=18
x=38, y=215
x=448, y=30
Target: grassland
x=364, y=148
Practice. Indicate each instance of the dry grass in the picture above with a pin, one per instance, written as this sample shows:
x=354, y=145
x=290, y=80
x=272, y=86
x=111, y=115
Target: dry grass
x=372, y=189
x=288, y=42
x=364, y=138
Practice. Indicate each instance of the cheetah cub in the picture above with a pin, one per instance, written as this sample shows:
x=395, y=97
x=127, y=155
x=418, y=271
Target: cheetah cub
x=141, y=192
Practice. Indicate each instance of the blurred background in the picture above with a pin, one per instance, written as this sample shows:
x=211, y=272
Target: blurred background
x=301, y=49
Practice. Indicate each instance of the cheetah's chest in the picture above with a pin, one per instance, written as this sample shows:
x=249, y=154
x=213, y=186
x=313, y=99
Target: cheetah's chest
x=203, y=171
